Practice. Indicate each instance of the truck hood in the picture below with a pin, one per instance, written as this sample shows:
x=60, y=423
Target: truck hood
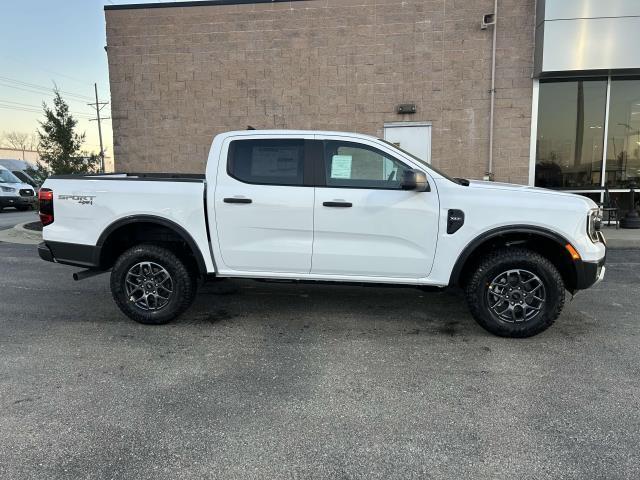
x=525, y=189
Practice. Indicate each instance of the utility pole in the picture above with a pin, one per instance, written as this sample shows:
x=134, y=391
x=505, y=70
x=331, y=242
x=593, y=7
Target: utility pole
x=99, y=106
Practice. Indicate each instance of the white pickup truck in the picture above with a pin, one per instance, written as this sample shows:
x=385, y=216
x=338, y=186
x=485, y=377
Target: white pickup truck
x=324, y=206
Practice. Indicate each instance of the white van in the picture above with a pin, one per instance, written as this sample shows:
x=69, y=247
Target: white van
x=15, y=193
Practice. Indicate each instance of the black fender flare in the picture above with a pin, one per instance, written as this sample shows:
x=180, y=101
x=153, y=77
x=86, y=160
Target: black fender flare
x=171, y=225
x=497, y=232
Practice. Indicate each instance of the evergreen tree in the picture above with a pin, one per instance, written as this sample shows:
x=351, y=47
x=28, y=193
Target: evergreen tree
x=59, y=145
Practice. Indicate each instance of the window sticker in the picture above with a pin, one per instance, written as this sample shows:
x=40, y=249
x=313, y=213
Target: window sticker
x=341, y=166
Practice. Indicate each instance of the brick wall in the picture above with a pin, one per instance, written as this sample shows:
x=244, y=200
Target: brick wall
x=181, y=75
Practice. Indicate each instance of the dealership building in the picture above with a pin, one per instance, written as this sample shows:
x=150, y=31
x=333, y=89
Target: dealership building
x=542, y=93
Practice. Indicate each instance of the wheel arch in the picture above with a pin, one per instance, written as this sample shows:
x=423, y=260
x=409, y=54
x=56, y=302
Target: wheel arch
x=550, y=244
x=126, y=224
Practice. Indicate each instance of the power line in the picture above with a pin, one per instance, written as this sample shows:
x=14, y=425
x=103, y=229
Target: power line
x=39, y=92
x=19, y=109
x=38, y=109
x=75, y=79
x=41, y=87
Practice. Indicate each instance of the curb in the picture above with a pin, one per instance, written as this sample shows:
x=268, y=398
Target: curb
x=20, y=228
x=623, y=245
x=622, y=239
x=19, y=234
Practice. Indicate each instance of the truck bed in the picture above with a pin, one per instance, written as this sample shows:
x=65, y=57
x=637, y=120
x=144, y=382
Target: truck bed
x=89, y=208
x=149, y=177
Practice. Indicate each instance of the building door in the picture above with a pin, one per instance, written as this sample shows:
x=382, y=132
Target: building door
x=414, y=137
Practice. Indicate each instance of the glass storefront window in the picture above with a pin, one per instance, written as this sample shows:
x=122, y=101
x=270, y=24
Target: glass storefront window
x=571, y=117
x=623, y=138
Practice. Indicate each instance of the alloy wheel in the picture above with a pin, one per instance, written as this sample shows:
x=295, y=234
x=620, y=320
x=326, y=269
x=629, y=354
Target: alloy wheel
x=516, y=296
x=149, y=286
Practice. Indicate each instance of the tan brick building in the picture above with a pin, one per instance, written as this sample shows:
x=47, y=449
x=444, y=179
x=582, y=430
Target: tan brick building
x=182, y=72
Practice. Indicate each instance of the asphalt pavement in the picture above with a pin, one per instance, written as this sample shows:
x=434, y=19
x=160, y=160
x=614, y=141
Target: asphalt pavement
x=289, y=381
x=10, y=217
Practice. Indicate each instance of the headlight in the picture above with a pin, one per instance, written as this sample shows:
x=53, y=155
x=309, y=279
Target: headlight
x=594, y=223
x=8, y=189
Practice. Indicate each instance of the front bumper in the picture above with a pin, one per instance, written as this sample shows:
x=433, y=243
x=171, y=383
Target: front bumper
x=589, y=273
x=17, y=201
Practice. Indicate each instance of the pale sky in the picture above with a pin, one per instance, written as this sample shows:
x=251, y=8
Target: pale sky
x=47, y=41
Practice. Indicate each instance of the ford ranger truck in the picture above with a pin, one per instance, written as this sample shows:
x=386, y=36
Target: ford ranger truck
x=330, y=207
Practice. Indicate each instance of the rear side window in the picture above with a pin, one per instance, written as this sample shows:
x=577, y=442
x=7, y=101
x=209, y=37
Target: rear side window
x=267, y=162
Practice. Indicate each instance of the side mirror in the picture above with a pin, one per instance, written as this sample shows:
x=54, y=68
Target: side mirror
x=415, y=180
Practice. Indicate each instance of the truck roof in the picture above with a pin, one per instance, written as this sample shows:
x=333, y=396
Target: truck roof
x=296, y=132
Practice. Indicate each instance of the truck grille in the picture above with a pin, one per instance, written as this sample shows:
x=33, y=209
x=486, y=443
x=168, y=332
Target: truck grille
x=26, y=192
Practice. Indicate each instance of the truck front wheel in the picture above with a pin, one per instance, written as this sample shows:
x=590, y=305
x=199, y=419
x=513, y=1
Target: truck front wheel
x=151, y=285
x=515, y=292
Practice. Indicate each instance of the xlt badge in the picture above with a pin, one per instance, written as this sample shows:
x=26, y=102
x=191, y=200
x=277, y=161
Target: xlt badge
x=455, y=220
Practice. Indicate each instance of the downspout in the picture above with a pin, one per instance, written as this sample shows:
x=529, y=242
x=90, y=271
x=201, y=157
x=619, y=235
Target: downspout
x=492, y=92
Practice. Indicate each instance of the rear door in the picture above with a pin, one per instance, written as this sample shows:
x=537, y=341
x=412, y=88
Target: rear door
x=365, y=224
x=264, y=204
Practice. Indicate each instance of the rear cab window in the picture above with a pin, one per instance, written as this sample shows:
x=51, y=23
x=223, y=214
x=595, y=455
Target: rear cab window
x=267, y=161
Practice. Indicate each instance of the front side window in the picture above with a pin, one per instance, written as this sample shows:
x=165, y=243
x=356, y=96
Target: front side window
x=267, y=161
x=354, y=165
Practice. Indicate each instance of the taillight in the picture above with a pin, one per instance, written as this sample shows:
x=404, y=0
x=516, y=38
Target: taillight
x=45, y=198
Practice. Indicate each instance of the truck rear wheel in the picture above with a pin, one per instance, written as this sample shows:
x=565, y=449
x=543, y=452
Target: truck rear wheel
x=515, y=292
x=151, y=285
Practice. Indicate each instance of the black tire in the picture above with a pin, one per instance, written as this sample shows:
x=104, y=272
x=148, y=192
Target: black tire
x=524, y=322
x=183, y=284
x=23, y=208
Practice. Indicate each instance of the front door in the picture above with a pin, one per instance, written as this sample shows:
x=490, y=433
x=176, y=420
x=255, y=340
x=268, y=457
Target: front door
x=264, y=205
x=365, y=224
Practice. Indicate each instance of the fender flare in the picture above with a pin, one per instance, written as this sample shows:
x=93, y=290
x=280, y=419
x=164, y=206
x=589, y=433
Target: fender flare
x=171, y=225
x=497, y=232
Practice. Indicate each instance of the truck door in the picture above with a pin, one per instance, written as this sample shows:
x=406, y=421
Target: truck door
x=264, y=204
x=365, y=224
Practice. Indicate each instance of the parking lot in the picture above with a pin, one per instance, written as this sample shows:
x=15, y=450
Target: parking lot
x=297, y=381
x=9, y=217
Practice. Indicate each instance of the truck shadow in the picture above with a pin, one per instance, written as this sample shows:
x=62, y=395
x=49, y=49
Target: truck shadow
x=353, y=310
x=334, y=309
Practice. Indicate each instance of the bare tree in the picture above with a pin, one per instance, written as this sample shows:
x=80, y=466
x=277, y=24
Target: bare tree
x=20, y=140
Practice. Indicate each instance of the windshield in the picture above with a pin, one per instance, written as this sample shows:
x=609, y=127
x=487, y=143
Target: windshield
x=7, y=177
x=418, y=159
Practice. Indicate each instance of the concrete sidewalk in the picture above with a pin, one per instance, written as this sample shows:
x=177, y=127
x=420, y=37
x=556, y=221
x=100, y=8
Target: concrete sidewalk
x=621, y=238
